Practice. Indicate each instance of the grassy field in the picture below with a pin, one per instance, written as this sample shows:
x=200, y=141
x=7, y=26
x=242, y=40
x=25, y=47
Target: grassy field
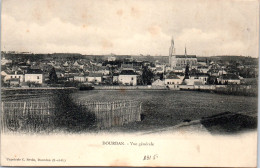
x=160, y=108
x=168, y=108
x=18, y=94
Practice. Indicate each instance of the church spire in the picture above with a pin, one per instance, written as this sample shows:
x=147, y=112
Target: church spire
x=172, y=50
x=172, y=41
x=185, y=51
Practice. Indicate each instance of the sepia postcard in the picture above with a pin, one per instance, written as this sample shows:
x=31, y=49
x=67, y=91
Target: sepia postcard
x=129, y=83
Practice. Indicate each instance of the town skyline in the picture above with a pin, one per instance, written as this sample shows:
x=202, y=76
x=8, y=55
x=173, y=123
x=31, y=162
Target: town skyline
x=132, y=28
x=113, y=54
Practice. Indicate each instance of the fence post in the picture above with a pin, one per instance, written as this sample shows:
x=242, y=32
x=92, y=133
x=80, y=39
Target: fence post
x=49, y=122
x=24, y=105
x=110, y=115
x=139, y=113
x=2, y=118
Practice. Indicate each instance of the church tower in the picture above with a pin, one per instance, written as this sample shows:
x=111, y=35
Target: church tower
x=185, y=51
x=172, y=54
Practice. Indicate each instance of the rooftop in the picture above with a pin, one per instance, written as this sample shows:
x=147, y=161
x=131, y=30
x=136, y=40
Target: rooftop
x=177, y=73
x=172, y=76
x=95, y=75
x=128, y=72
x=186, y=56
x=230, y=76
x=34, y=71
x=13, y=72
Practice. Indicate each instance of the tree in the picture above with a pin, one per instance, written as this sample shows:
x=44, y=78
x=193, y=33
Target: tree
x=53, y=76
x=147, y=76
x=161, y=76
x=216, y=81
x=187, y=72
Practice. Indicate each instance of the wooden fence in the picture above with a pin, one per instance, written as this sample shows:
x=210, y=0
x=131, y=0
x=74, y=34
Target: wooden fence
x=39, y=116
x=115, y=113
x=29, y=116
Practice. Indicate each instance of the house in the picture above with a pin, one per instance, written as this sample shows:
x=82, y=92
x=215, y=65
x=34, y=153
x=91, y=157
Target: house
x=172, y=79
x=229, y=79
x=201, y=63
x=115, y=77
x=14, y=82
x=159, y=69
x=72, y=72
x=28, y=62
x=203, y=69
x=80, y=78
x=65, y=64
x=94, y=78
x=23, y=65
x=158, y=82
x=111, y=59
x=193, y=81
x=12, y=75
x=3, y=73
x=76, y=64
x=198, y=79
x=104, y=70
x=5, y=61
x=34, y=75
x=99, y=64
x=168, y=69
x=59, y=73
x=128, y=77
x=178, y=69
x=57, y=66
x=213, y=72
x=203, y=78
x=127, y=66
x=222, y=72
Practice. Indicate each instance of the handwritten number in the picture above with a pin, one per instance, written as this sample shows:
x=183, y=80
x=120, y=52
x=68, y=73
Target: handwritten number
x=150, y=157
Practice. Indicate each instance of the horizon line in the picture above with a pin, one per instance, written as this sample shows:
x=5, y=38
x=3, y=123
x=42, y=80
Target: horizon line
x=112, y=54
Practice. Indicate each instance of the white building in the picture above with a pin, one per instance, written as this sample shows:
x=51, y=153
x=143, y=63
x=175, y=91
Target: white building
x=158, y=82
x=76, y=64
x=229, y=79
x=115, y=78
x=111, y=58
x=173, y=79
x=179, y=69
x=66, y=64
x=128, y=77
x=5, y=61
x=203, y=78
x=196, y=80
x=34, y=75
x=222, y=72
x=160, y=68
x=203, y=69
x=80, y=78
x=202, y=63
x=12, y=75
x=94, y=78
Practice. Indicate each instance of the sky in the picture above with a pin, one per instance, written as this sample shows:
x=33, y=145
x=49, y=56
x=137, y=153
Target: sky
x=205, y=27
